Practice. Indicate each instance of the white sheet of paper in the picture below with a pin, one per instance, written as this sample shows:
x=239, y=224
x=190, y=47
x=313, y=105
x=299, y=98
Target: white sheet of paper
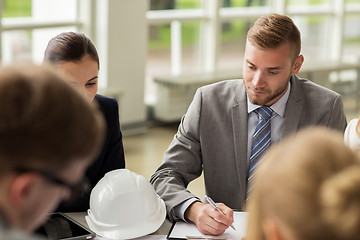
x=182, y=229
x=147, y=237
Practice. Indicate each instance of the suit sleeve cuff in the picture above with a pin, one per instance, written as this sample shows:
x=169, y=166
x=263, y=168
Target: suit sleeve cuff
x=180, y=209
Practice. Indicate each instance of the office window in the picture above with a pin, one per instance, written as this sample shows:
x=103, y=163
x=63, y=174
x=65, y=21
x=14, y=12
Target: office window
x=351, y=47
x=55, y=10
x=160, y=52
x=326, y=37
x=314, y=32
x=233, y=39
x=307, y=2
x=27, y=26
x=16, y=45
x=174, y=4
x=16, y=8
x=158, y=57
x=190, y=47
x=244, y=3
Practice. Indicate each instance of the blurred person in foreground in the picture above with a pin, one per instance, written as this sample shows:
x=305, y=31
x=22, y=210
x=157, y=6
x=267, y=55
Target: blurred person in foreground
x=308, y=187
x=230, y=124
x=75, y=55
x=45, y=146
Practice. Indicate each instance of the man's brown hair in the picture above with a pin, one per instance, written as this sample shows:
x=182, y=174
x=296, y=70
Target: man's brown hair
x=45, y=123
x=271, y=31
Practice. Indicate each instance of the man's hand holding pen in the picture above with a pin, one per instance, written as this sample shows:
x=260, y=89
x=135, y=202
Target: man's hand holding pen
x=208, y=220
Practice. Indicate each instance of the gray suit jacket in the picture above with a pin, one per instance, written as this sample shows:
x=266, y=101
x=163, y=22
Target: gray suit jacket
x=212, y=136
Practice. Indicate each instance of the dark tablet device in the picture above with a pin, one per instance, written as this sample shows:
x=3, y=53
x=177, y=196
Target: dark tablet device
x=60, y=226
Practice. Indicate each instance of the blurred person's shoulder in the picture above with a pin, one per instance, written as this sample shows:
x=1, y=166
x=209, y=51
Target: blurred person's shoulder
x=10, y=234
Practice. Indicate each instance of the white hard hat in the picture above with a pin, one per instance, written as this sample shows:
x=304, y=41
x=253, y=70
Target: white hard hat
x=124, y=205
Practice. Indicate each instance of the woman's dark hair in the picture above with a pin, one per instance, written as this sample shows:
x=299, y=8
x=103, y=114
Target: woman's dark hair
x=69, y=47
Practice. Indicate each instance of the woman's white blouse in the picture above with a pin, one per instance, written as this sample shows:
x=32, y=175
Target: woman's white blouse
x=351, y=137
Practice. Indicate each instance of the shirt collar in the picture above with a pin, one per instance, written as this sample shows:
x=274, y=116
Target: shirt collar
x=278, y=107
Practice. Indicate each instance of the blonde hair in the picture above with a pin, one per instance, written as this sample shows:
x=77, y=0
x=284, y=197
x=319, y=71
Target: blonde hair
x=273, y=30
x=311, y=182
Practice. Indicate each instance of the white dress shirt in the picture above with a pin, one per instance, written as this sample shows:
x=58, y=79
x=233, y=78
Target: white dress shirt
x=277, y=119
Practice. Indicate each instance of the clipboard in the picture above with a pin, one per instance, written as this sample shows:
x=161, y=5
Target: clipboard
x=180, y=230
x=168, y=236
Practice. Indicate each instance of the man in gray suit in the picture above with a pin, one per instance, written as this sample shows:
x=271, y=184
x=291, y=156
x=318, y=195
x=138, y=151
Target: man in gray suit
x=215, y=135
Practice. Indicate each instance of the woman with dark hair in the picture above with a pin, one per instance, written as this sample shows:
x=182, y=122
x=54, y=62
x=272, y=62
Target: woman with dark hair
x=75, y=55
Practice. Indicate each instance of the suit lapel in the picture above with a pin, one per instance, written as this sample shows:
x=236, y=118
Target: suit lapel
x=239, y=118
x=294, y=108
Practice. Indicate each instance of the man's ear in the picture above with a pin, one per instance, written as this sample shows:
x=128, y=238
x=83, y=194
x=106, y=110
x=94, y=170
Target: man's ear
x=271, y=230
x=22, y=187
x=297, y=64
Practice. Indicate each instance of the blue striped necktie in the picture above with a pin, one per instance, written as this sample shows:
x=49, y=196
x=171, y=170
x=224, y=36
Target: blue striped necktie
x=261, y=140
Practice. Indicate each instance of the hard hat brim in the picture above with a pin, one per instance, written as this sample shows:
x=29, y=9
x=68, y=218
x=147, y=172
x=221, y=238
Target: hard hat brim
x=142, y=229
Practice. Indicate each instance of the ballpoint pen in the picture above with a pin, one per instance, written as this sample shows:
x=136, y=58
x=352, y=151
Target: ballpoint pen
x=213, y=204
